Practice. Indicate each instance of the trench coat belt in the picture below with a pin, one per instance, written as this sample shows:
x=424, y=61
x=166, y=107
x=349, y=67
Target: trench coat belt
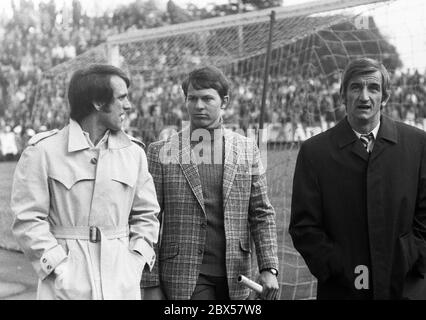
x=102, y=235
x=91, y=233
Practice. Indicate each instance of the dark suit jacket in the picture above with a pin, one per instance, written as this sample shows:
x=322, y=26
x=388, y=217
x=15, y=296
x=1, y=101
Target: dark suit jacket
x=248, y=214
x=350, y=208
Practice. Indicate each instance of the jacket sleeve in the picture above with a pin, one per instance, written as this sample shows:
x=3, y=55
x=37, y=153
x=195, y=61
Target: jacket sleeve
x=30, y=204
x=151, y=279
x=309, y=237
x=419, y=223
x=262, y=215
x=143, y=221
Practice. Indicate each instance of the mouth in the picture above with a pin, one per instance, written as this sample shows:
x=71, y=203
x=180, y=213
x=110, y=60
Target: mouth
x=364, y=107
x=200, y=115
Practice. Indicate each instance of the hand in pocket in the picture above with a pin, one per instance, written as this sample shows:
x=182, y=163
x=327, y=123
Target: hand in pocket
x=140, y=259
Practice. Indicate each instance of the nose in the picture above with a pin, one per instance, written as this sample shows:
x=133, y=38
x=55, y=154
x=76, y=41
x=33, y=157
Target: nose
x=364, y=95
x=127, y=105
x=199, y=104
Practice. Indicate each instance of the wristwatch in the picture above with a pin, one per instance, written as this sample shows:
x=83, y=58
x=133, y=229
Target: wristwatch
x=271, y=270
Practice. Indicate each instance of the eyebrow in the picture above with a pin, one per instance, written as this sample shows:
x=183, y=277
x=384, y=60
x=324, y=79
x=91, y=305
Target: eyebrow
x=122, y=95
x=201, y=96
x=352, y=83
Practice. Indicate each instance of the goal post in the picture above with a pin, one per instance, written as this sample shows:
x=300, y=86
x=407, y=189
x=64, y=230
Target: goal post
x=297, y=10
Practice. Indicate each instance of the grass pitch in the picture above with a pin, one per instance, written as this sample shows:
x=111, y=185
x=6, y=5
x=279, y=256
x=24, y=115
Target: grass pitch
x=6, y=217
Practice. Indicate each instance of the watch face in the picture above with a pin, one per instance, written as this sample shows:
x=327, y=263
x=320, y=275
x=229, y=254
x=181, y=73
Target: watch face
x=273, y=271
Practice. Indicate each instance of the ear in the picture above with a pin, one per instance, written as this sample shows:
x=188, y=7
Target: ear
x=384, y=101
x=97, y=105
x=225, y=102
x=343, y=100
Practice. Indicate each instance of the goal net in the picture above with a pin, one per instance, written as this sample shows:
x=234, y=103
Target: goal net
x=311, y=44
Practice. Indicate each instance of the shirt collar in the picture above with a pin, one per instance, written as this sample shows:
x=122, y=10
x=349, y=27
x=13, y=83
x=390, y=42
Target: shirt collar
x=77, y=140
x=102, y=144
x=375, y=131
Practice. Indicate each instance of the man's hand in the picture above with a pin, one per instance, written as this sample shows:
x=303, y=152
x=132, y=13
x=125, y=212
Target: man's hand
x=60, y=268
x=270, y=286
x=153, y=293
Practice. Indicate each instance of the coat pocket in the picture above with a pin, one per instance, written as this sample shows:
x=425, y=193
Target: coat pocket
x=245, y=245
x=125, y=270
x=409, y=250
x=168, y=251
x=125, y=179
x=127, y=175
x=72, y=283
x=139, y=260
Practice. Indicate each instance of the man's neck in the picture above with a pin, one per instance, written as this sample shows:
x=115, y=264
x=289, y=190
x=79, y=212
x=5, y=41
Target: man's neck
x=215, y=125
x=209, y=134
x=91, y=126
x=363, y=127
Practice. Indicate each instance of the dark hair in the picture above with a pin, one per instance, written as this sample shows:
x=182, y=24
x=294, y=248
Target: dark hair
x=152, y=109
x=92, y=84
x=364, y=66
x=208, y=77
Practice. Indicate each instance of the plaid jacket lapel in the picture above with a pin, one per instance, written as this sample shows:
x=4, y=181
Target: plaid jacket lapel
x=230, y=165
x=185, y=158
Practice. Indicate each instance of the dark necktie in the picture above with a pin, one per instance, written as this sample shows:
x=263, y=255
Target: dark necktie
x=365, y=139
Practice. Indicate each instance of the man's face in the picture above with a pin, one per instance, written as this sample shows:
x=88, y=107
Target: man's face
x=204, y=107
x=113, y=115
x=157, y=111
x=364, y=98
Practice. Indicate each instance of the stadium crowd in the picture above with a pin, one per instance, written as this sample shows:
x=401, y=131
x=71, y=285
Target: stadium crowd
x=29, y=103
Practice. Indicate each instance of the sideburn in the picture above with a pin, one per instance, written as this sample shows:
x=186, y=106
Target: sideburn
x=106, y=108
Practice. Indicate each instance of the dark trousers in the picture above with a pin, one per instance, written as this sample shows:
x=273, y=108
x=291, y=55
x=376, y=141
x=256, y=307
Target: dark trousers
x=211, y=288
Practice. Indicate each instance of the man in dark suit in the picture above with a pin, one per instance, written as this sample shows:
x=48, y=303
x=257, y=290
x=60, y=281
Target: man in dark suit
x=213, y=200
x=358, y=213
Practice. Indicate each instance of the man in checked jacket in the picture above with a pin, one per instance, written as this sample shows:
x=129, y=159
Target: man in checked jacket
x=211, y=187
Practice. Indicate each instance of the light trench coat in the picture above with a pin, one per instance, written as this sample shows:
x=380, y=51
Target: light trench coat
x=62, y=187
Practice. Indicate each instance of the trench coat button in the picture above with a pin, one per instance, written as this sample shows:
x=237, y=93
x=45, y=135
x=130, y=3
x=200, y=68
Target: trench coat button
x=203, y=225
x=49, y=267
x=44, y=260
x=94, y=161
x=200, y=251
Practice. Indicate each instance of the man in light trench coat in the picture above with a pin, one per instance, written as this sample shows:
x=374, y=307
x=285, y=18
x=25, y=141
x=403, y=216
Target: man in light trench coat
x=84, y=202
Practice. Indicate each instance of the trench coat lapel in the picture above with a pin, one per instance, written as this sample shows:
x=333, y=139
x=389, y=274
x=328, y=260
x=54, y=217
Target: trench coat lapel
x=346, y=138
x=185, y=157
x=386, y=137
x=76, y=139
x=230, y=164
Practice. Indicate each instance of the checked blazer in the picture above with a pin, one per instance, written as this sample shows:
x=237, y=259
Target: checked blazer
x=248, y=214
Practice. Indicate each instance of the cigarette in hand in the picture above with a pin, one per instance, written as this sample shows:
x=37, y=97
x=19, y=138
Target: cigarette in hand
x=250, y=284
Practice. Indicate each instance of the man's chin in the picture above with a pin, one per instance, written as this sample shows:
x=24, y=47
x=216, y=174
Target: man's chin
x=363, y=119
x=115, y=129
x=201, y=124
